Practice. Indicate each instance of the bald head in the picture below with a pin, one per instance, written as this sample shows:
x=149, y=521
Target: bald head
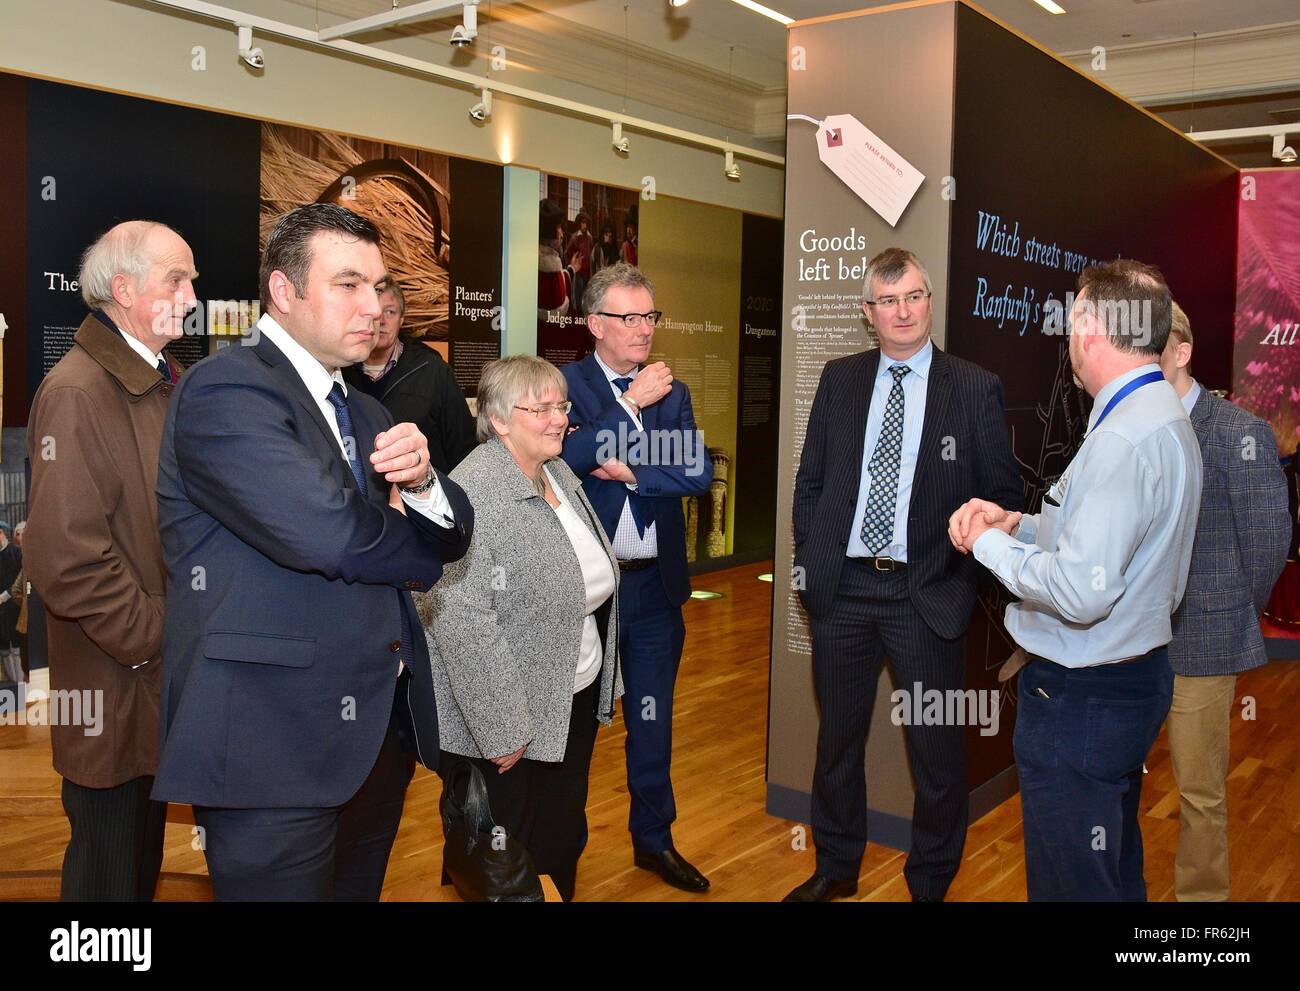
x=141, y=273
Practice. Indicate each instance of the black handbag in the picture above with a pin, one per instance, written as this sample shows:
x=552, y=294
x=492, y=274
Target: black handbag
x=478, y=857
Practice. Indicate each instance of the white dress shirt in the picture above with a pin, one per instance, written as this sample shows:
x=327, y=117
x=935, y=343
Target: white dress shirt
x=598, y=583
x=138, y=347
x=319, y=382
x=628, y=546
x=1193, y=394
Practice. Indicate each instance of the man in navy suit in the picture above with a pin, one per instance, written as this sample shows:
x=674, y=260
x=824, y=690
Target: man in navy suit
x=898, y=437
x=296, y=519
x=633, y=442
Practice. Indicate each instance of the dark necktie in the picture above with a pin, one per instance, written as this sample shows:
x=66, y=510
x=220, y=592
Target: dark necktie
x=878, y=520
x=643, y=513
x=163, y=370
x=344, y=417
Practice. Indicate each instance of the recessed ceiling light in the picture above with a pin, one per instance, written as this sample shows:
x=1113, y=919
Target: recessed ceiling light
x=700, y=593
x=1050, y=6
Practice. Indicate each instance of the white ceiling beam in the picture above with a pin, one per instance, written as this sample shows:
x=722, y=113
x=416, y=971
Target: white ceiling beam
x=1236, y=133
x=388, y=19
x=473, y=82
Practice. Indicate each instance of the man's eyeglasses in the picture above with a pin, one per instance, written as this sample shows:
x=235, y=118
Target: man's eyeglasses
x=633, y=320
x=889, y=302
x=540, y=411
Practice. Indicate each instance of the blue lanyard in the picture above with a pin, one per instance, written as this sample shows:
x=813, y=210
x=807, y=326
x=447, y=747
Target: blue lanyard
x=1133, y=386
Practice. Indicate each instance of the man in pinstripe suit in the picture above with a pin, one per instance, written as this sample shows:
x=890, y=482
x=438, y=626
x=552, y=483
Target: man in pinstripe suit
x=899, y=437
x=1241, y=544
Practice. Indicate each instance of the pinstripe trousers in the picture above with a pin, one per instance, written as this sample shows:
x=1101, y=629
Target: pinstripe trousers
x=872, y=617
x=115, y=851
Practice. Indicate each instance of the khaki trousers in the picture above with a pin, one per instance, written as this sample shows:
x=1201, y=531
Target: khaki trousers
x=1198, y=744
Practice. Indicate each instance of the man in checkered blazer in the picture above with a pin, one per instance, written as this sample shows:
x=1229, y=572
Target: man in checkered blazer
x=1241, y=544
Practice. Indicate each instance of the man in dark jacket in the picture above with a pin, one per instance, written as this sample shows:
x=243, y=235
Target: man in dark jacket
x=415, y=385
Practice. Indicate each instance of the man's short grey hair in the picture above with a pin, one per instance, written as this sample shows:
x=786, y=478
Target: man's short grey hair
x=507, y=381
x=118, y=251
x=394, y=288
x=620, y=275
x=890, y=266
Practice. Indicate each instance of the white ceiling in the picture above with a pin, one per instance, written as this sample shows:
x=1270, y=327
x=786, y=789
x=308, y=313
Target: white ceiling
x=704, y=31
x=718, y=68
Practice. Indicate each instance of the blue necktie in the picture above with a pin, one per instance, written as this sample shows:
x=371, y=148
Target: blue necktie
x=344, y=417
x=643, y=513
x=878, y=520
x=163, y=370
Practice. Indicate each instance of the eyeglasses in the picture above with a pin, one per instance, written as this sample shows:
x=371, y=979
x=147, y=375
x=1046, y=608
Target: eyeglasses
x=889, y=302
x=540, y=411
x=633, y=320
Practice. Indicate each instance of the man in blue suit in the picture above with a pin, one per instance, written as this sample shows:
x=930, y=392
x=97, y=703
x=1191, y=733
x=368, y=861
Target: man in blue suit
x=296, y=519
x=633, y=442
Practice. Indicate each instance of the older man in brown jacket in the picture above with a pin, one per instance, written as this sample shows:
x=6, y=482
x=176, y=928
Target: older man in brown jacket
x=92, y=551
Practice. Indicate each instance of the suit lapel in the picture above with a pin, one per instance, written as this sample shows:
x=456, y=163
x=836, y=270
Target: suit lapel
x=650, y=415
x=938, y=393
x=1201, y=415
x=862, y=385
x=294, y=386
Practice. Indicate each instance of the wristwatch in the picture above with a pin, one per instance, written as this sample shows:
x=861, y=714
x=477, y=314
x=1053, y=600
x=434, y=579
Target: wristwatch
x=424, y=486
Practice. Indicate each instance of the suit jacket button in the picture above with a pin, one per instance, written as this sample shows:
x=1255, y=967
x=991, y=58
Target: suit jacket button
x=395, y=646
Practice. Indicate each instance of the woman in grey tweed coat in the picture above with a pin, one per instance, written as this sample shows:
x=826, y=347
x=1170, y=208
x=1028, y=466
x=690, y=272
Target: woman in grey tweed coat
x=523, y=630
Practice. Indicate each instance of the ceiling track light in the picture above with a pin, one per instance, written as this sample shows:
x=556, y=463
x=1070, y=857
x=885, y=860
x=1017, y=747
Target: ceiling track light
x=466, y=31
x=1282, y=151
x=730, y=169
x=620, y=143
x=252, y=57
x=482, y=110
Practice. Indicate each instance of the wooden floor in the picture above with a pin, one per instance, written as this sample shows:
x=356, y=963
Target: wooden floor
x=720, y=727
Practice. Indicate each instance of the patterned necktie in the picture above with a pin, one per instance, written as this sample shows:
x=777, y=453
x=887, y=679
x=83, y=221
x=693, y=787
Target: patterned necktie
x=878, y=520
x=344, y=417
x=163, y=370
x=642, y=513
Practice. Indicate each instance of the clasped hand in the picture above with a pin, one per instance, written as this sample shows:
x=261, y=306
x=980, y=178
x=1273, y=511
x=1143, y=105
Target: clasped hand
x=401, y=455
x=968, y=524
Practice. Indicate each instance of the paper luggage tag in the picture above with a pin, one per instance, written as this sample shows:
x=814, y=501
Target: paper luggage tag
x=881, y=177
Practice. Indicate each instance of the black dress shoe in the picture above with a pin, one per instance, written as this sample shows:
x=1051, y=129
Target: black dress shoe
x=672, y=867
x=820, y=888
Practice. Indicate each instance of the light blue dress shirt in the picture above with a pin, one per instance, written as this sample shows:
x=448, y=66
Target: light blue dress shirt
x=1101, y=573
x=915, y=384
x=1193, y=394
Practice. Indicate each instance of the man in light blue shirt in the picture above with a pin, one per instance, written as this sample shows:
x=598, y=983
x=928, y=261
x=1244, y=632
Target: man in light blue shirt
x=1099, y=571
